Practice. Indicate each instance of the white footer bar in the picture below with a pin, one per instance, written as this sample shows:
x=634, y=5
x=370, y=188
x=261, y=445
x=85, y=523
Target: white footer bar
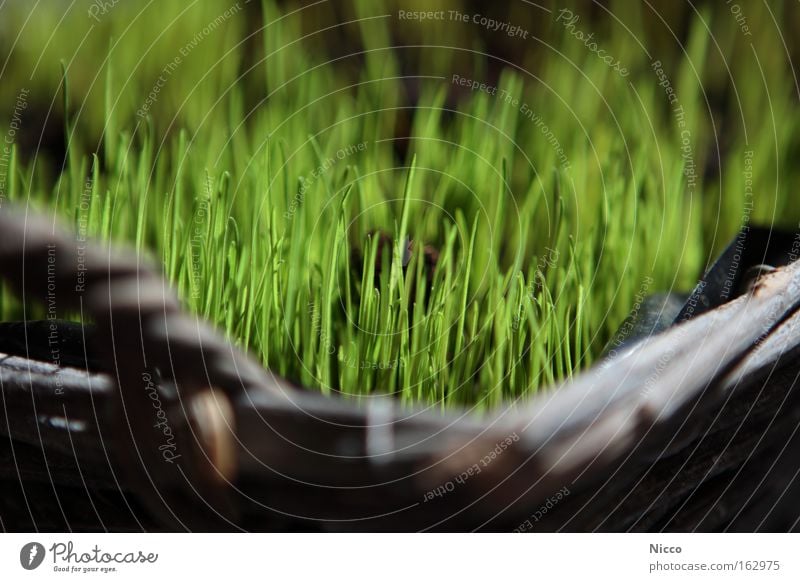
x=401, y=557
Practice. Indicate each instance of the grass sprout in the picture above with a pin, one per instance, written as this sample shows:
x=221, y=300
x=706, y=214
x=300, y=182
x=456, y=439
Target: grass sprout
x=367, y=231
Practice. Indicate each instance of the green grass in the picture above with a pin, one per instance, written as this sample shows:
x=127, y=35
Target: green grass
x=258, y=207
